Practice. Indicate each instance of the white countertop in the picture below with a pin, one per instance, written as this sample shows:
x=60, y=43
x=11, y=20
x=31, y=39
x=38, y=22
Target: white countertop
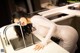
x=63, y=9
x=52, y=47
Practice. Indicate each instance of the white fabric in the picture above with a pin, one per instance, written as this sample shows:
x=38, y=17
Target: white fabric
x=43, y=26
x=68, y=36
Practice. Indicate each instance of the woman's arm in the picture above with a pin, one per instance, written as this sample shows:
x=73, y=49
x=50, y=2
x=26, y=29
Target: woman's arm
x=39, y=20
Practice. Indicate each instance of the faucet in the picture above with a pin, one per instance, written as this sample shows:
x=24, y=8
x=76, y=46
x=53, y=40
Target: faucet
x=8, y=26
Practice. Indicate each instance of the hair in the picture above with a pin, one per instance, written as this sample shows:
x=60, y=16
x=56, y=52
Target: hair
x=26, y=29
x=20, y=14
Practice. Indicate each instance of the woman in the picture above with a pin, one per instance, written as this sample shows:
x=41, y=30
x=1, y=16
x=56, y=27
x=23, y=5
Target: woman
x=68, y=36
x=27, y=28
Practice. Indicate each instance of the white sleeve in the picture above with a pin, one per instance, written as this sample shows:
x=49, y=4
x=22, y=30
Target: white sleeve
x=47, y=23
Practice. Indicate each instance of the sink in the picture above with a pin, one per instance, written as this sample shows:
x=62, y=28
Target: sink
x=18, y=44
x=56, y=15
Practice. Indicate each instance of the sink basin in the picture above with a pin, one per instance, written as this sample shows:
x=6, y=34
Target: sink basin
x=56, y=15
x=18, y=44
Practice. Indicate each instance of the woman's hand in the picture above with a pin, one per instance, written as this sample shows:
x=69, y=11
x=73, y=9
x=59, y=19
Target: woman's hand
x=39, y=46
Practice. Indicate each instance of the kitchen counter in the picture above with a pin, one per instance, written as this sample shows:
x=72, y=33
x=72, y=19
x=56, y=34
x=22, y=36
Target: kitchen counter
x=52, y=47
x=63, y=9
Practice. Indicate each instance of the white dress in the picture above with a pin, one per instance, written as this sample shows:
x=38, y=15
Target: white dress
x=68, y=36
